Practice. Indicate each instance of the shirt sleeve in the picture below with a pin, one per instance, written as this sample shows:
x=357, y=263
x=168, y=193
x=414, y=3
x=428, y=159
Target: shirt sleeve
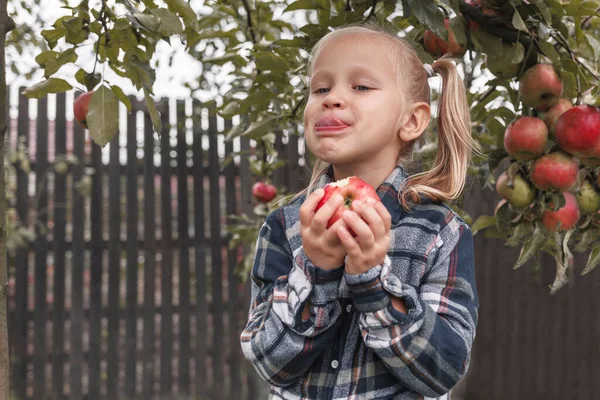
x=428, y=349
x=276, y=340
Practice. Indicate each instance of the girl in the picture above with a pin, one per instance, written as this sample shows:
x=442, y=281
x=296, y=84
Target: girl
x=389, y=313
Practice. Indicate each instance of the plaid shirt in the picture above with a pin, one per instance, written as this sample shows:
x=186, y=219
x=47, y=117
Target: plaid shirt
x=356, y=345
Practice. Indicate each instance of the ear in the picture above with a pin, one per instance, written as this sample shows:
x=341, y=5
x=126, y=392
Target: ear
x=416, y=122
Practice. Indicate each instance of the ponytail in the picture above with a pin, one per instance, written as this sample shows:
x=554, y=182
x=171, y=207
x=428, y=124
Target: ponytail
x=446, y=179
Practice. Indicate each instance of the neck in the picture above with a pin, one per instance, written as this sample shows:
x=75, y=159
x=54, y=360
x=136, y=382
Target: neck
x=373, y=175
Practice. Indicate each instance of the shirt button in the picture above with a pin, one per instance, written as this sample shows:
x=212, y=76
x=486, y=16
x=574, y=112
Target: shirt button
x=334, y=364
x=349, y=308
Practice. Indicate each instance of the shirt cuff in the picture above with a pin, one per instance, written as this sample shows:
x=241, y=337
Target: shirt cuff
x=325, y=283
x=371, y=292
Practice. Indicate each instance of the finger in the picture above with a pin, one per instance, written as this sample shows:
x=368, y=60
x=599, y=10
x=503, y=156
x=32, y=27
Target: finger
x=331, y=236
x=350, y=244
x=363, y=232
x=385, y=216
x=372, y=218
x=307, y=210
x=322, y=216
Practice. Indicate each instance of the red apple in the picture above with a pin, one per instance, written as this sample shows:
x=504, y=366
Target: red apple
x=588, y=198
x=540, y=87
x=551, y=115
x=564, y=218
x=520, y=195
x=525, y=138
x=264, y=192
x=556, y=171
x=436, y=46
x=351, y=189
x=578, y=131
x=80, y=108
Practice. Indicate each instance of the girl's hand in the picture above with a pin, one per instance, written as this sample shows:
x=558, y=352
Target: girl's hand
x=321, y=245
x=370, y=246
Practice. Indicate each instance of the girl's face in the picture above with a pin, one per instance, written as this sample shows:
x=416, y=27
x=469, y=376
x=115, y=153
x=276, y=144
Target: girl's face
x=354, y=84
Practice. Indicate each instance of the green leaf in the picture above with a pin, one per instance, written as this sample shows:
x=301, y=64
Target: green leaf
x=154, y=116
x=149, y=22
x=234, y=132
x=51, y=85
x=184, y=10
x=53, y=66
x=544, y=10
x=532, y=246
x=518, y=22
x=303, y=5
x=122, y=97
x=44, y=57
x=170, y=24
x=484, y=221
x=266, y=61
x=52, y=36
x=103, y=115
x=430, y=16
x=593, y=260
x=260, y=128
x=549, y=51
x=75, y=32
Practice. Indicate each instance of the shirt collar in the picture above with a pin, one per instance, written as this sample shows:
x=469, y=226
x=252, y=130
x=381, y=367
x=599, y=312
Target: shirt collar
x=387, y=191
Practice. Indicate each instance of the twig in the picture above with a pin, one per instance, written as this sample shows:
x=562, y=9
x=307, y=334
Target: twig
x=564, y=43
x=249, y=20
x=102, y=16
x=586, y=21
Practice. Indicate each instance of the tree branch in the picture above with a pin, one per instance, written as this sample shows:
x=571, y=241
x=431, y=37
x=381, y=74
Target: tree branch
x=249, y=20
x=565, y=44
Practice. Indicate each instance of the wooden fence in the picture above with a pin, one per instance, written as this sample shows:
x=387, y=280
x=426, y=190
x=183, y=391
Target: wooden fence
x=131, y=293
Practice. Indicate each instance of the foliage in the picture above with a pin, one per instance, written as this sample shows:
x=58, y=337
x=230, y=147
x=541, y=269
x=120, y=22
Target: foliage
x=267, y=57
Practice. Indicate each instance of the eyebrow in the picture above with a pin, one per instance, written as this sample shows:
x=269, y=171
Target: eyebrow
x=354, y=71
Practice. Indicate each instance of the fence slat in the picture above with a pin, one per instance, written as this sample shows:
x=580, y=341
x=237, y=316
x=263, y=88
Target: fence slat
x=114, y=270
x=96, y=229
x=166, y=263
x=19, y=337
x=41, y=250
x=132, y=255
x=76, y=360
x=184, y=257
x=200, y=260
x=216, y=259
x=60, y=203
x=233, y=310
x=149, y=260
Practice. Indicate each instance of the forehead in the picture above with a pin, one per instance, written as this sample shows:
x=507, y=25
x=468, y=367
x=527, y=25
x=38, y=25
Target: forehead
x=355, y=53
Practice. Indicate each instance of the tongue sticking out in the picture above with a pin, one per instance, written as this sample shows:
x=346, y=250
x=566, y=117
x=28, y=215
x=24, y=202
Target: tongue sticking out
x=330, y=122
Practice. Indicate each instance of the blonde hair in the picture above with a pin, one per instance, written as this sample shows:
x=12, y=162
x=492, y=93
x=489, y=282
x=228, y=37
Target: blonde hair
x=446, y=179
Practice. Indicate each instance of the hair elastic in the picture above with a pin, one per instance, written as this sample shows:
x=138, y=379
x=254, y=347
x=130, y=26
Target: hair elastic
x=429, y=70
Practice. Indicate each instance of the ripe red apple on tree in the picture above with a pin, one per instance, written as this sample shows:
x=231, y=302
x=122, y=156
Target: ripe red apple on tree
x=540, y=87
x=264, y=192
x=556, y=171
x=351, y=189
x=436, y=46
x=551, y=115
x=80, y=108
x=578, y=131
x=588, y=198
x=564, y=218
x=526, y=138
x=520, y=195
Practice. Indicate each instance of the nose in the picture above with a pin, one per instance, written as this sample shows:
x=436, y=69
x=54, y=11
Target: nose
x=333, y=100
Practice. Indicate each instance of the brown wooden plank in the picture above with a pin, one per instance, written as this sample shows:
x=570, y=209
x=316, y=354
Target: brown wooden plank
x=166, y=263
x=184, y=257
x=114, y=270
x=19, y=336
x=216, y=259
x=201, y=314
x=149, y=261
x=60, y=202
x=41, y=251
x=97, y=255
x=233, y=286
x=76, y=318
x=132, y=255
